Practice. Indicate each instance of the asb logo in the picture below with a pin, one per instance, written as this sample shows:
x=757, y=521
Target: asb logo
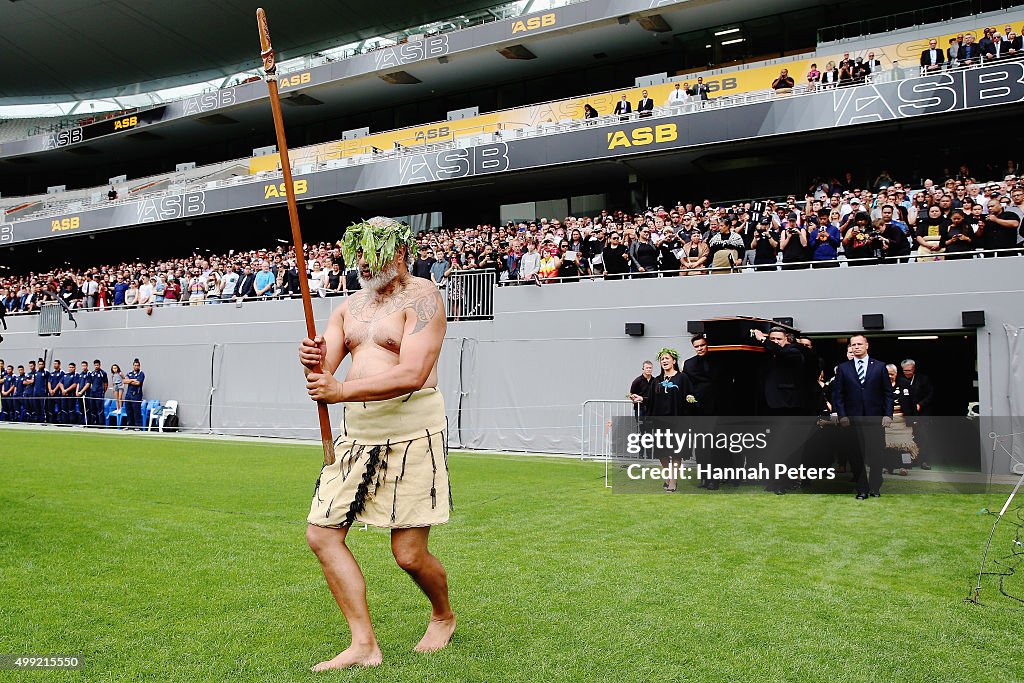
x=62, y=224
x=645, y=135
x=534, y=23
x=454, y=163
x=172, y=207
x=294, y=80
x=64, y=138
x=273, y=191
x=208, y=101
x=407, y=53
x=126, y=122
x=431, y=134
x=6, y=234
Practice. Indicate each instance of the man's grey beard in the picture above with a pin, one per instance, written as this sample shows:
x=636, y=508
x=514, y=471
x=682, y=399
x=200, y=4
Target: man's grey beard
x=377, y=282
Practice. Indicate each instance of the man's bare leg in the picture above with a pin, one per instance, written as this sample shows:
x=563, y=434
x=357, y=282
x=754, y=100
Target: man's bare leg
x=346, y=582
x=412, y=555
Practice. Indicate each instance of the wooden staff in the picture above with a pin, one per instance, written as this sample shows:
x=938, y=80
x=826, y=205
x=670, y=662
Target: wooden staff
x=270, y=67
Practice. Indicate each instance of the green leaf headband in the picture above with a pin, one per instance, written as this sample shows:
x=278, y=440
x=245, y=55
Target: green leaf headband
x=671, y=352
x=379, y=239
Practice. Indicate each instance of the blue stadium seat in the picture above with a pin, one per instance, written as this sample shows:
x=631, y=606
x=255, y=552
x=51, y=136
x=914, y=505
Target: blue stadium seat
x=111, y=416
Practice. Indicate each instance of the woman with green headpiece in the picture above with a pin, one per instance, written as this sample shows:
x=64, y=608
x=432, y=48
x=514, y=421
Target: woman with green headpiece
x=667, y=398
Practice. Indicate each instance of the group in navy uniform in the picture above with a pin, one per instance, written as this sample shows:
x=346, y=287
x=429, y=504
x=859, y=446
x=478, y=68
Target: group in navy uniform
x=73, y=395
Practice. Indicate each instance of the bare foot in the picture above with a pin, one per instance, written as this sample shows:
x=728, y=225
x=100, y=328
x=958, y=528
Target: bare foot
x=354, y=656
x=439, y=634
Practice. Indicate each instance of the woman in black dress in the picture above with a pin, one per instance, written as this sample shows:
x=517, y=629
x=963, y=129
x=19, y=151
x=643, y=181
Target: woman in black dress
x=670, y=395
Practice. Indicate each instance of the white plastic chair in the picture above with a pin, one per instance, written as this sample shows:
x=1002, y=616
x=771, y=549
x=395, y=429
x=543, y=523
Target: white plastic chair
x=170, y=408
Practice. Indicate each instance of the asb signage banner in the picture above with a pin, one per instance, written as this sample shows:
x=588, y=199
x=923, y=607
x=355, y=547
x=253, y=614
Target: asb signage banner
x=1000, y=84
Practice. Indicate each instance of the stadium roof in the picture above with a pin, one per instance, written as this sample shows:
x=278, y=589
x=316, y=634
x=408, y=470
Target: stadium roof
x=67, y=49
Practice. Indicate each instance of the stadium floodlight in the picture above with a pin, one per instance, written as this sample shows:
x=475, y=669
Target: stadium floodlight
x=726, y=32
x=734, y=40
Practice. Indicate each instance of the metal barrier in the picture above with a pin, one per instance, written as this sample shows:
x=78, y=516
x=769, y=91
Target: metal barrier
x=469, y=294
x=596, y=417
x=50, y=319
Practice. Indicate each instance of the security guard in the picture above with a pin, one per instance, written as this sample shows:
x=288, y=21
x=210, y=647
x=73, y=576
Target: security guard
x=55, y=391
x=19, y=393
x=133, y=394
x=7, y=395
x=97, y=390
x=82, y=395
x=39, y=390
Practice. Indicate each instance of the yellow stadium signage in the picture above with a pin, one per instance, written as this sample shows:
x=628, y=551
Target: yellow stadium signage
x=62, y=224
x=642, y=136
x=126, y=122
x=294, y=80
x=534, y=23
x=278, y=190
x=431, y=134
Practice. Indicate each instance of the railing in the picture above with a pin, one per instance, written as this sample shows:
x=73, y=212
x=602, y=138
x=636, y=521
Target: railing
x=474, y=291
x=910, y=19
x=469, y=294
x=596, y=420
x=503, y=131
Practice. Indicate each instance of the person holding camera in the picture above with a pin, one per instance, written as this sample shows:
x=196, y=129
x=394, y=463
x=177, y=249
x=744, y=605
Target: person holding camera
x=793, y=242
x=1000, y=229
x=765, y=244
x=863, y=243
x=825, y=239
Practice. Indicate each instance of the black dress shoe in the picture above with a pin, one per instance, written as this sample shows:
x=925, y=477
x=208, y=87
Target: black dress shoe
x=925, y=466
x=712, y=486
x=862, y=496
x=874, y=494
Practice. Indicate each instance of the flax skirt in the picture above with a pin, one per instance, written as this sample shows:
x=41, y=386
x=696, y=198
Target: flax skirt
x=391, y=466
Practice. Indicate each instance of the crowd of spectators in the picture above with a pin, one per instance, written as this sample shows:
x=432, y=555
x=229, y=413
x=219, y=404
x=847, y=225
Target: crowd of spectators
x=834, y=221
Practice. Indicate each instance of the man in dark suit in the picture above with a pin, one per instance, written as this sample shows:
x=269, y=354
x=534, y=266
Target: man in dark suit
x=640, y=387
x=933, y=58
x=623, y=107
x=969, y=52
x=781, y=378
x=862, y=397
x=710, y=388
x=782, y=374
x=246, y=285
x=645, y=105
x=700, y=90
x=918, y=393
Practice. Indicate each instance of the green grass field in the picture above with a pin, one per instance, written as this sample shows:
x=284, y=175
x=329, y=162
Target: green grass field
x=169, y=559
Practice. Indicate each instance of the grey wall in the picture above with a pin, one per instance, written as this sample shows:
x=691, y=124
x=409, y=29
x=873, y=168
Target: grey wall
x=525, y=374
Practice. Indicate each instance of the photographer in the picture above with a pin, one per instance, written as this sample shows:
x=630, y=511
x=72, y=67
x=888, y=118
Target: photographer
x=765, y=244
x=794, y=243
x=825, y=240
x=862, y=242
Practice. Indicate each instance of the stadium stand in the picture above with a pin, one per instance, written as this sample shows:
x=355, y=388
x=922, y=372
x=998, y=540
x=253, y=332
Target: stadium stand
x=749, y=83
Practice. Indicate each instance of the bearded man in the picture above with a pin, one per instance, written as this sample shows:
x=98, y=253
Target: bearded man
x=391, y=469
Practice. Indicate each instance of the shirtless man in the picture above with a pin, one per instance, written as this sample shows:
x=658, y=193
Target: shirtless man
x=391, y=468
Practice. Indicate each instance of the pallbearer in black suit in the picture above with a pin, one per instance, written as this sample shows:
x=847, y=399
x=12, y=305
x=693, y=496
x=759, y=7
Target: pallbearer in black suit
x=782, y=374
x=709, y=383
x=862, y=397
x=783, y=393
